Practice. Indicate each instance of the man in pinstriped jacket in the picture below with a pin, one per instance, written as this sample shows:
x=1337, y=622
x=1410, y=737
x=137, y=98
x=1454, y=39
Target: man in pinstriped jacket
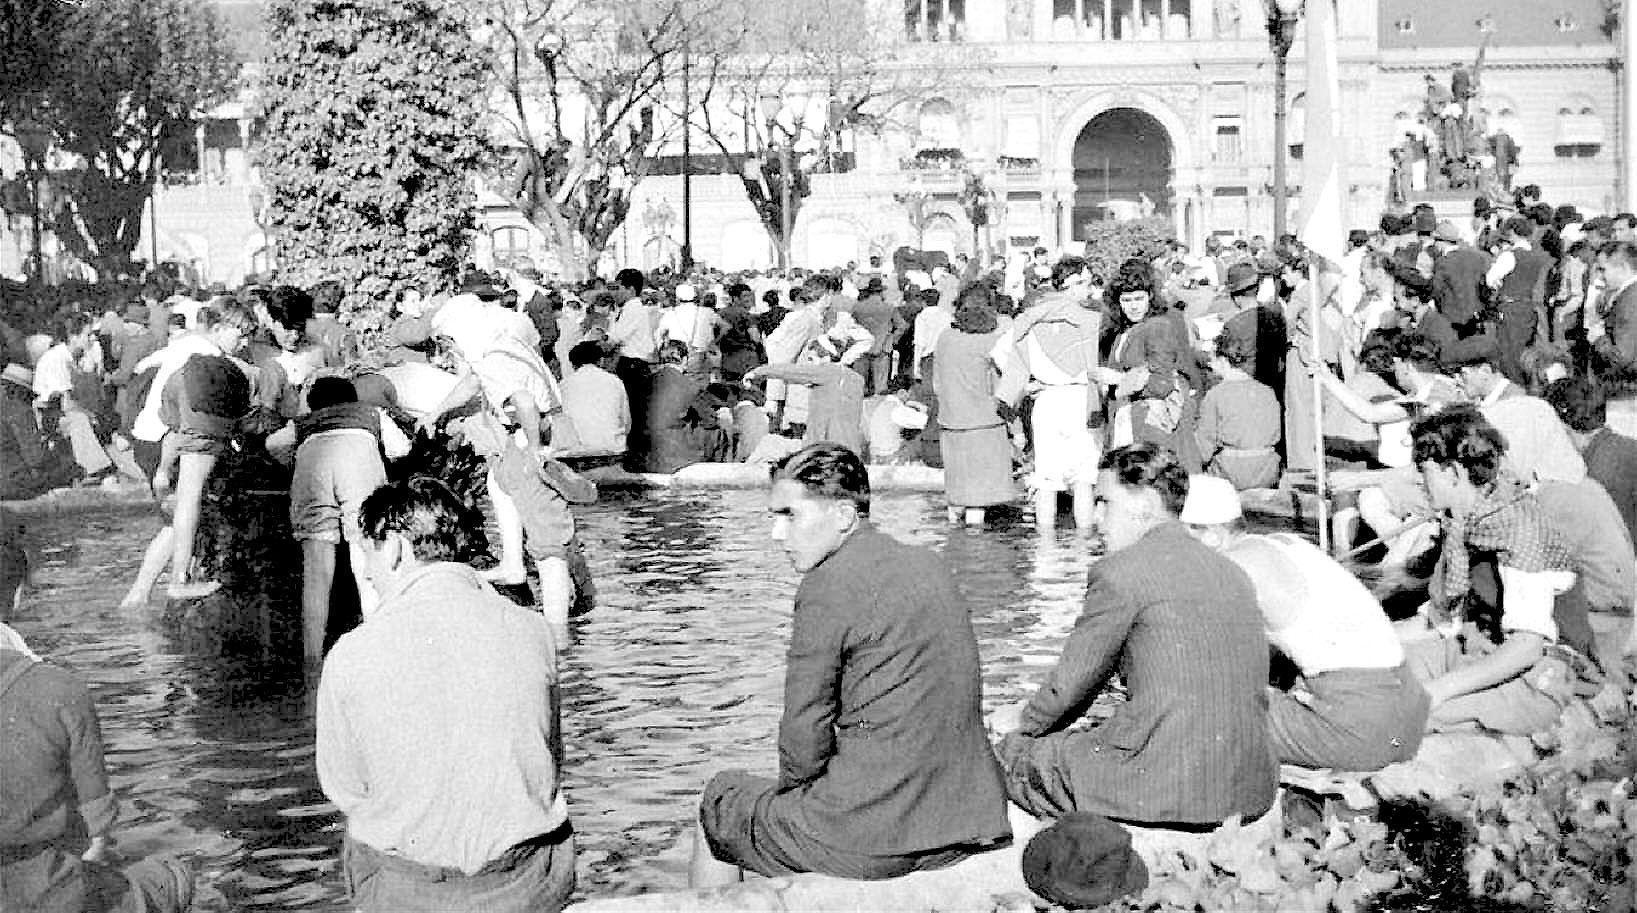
x=1188, y=748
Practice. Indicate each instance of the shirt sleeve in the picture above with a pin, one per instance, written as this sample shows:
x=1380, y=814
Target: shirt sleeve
x=85, y=765
x=1093, y=647
x=811, y=692
x=1528, y=597
x=341, y=772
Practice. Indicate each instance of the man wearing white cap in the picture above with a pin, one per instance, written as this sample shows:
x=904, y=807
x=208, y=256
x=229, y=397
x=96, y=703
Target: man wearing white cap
x=1357, y=707
x=693, y=325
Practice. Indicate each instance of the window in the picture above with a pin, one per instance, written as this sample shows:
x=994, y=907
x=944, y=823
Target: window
x=1579, y=130
x=1296, y=128
x=1405, y=26
x=1229, y=141
x=1567, y=23
x=511, y=245
x=934, y=20
x=937, y=126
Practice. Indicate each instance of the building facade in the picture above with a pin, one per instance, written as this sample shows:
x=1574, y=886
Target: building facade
x=1096, y=109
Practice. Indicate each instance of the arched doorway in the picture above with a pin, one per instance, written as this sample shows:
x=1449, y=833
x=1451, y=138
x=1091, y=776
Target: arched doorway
x=1122, y=169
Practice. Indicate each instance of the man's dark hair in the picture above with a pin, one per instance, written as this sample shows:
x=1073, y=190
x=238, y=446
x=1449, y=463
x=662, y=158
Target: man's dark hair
x=1522, y=226
x=1624, y=251
x=1153, y=467
x=1419, y=351
x=673, y=352
x=737, y=289
x=1579, y=403
x=229, y=312
x=331, y=391
x=585, y=353
x=71, y=323
x=827, y=470
x=290, y=306
x=630, y=278
x=771, y=297
x=327, y=296
x=1376, y=353
x=1629, y=218
x=1236, y=350
x=424, y=511
x=1066, y=267
x=1460, y=435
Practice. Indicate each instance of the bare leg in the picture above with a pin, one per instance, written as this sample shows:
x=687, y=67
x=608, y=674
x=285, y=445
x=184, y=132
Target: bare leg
x=1045, y=508
x=705, y=870
x=1083, y=505
x=974, y=516
x=1376, y=510
x=1343, y=526
x=153, y=564
x=510, y=569
x=368, y=599
x=194, y=469
x=556, y=595
x=317, y=578
x=953, y=512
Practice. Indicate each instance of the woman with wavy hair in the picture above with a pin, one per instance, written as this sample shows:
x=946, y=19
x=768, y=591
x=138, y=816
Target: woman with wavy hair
x=977, y=451
x=1149, y=368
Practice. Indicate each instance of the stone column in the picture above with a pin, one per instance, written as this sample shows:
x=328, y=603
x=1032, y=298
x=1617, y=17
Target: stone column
x=199, y=146
x=1628, y=119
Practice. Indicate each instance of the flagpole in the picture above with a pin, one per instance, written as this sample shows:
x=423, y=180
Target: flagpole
x=1317, y=357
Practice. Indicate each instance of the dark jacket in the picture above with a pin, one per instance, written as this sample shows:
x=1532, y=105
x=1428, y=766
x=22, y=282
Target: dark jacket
x=1180, y=623
x=1458, y=284
x=680, y=422
x=882, y=748
x=1611, y=459
x=1615, y=354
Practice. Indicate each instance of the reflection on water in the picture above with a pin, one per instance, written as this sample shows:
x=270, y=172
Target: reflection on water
x=676, y=675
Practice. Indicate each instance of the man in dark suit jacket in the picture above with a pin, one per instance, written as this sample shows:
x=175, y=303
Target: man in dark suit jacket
x=884, y=766
x=1188, y=748
x=1614, y=341
x=1458, y=277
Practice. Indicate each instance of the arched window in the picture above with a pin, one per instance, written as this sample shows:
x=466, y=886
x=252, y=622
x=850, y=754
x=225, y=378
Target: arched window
x=937, y=125
x=511, y=245
x=1579, y=130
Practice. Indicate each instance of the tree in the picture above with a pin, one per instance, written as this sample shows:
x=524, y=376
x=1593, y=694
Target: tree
x=372, y=133
x=784, y=81
x=577, y=84
x=108, y=78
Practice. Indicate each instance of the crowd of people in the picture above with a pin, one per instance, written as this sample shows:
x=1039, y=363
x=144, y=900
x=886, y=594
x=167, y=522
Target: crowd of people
x=1479, y=385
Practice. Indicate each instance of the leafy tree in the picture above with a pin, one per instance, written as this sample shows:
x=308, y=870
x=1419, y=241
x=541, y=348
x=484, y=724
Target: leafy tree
x=848, y=63
x=108, y=78
x=577, y=82
x=372, y=132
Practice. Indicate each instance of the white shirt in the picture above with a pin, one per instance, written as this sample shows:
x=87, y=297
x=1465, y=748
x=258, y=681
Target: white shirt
x=421, y=387
x=690, y=323
x=54, y=372
x=634, y=331
x=596, y=414
x=170, y=359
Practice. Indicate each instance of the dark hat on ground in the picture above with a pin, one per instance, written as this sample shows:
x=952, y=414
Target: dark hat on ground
x=1241, y=276
x=1446, y=232
x=1083, y=861
x=873, y=287
x=1358, y=237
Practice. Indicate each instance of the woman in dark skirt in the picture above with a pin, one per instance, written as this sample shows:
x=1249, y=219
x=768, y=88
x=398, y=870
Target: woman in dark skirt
x=977, y=450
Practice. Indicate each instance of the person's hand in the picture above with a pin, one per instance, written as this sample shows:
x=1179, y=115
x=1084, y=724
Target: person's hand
x=1007, y=719
x=754, y=373
x=161, y=479
x=1595, y=331
x=97, y=851
x=427, y=425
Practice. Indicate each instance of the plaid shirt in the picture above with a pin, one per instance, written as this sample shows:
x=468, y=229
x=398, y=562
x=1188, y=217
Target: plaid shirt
x=1507, y=520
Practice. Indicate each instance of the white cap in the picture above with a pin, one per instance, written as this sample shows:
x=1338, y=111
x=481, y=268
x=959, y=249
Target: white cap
x=1211, y=500
x=686, y=292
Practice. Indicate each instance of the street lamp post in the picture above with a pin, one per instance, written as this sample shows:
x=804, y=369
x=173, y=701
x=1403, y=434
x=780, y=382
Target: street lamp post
x=35, y=140
x=1281, y=25
x=687, y=144
x=914, y=200
x=977, y=200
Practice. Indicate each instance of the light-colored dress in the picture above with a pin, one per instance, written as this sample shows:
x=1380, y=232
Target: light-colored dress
x=977, y=451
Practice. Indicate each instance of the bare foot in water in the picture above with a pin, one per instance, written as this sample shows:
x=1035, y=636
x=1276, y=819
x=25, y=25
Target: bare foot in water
x=196, y=589
x=506, y=575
